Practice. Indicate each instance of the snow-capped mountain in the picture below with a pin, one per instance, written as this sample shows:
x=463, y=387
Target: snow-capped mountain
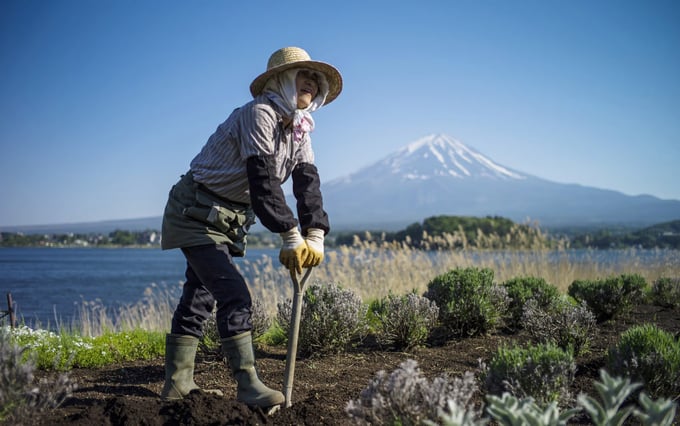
x=439, y=155
x=439, y=175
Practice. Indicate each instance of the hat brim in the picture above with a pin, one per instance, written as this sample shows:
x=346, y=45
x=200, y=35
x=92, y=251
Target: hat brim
x=332, y=76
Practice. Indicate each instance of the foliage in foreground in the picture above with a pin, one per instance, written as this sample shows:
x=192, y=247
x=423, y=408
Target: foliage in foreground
x=404, y=321
x=509, y=410
x=20, y=396
x=469, y=302
x=614, y=392
x=406, y=397
x=331, y=318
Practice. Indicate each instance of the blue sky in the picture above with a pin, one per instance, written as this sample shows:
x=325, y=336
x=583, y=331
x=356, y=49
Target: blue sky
x=104, y=103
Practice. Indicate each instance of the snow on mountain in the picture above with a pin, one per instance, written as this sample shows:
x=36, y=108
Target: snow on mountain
x=441, y=155
x=436, y=155
x=439, y=175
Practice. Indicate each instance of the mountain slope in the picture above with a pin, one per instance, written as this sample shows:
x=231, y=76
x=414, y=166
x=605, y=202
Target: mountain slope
x=440, y=175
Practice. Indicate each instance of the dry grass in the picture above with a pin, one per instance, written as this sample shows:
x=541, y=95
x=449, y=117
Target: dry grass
x=375, y=268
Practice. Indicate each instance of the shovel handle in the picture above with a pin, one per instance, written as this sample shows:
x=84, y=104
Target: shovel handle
x=293, y=332
x=299, y=284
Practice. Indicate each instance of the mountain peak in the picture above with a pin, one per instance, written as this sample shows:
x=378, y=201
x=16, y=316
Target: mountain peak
x=439, y=155
x=439, y=175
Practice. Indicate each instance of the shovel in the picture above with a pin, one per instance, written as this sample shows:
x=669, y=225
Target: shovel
x=299, y=287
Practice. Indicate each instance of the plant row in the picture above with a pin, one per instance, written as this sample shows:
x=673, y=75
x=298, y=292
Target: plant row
x=467, y=302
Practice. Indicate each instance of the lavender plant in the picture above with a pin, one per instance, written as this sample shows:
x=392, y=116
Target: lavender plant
x=571, y=327
x=406, y=397
x=469, y=302
x=331, y=318
x=20, y=396
x=609, y=297
x=650, y=355
x=544, y=372
x=210, y=342
x=666, y=292
x=261, y=320
x=404, y=321
x=522, y=289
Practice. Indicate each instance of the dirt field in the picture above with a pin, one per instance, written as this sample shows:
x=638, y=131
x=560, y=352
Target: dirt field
x=128, y=394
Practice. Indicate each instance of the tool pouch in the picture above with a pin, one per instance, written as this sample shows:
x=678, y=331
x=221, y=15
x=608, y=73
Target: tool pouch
x=230, y=219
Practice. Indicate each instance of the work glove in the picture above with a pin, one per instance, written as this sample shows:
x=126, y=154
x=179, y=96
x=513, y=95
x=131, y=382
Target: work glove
x=314, y=240
x=294, y=250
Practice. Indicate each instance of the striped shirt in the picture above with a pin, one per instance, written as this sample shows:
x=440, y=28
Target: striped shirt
x=255, y=129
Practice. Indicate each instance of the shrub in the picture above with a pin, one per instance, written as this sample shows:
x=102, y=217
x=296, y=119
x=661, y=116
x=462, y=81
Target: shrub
x=649, y=355
x=571, y=327
x=211, y=342
x=666, y=292
x=522, y=289
x=406, y=321
x=634, y=287
x=331, y=318
x=20, y=396
x=611, y=296
x=469, y=302
x=261, y=320
x=543, y=372
x=405, y=397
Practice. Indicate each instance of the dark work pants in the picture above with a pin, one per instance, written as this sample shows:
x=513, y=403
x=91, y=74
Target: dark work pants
x=212, y=277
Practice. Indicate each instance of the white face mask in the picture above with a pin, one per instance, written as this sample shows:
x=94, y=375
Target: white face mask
x=281, y=90
x=283, y=85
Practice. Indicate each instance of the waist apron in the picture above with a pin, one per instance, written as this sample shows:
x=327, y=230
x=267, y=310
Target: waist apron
x=194, y=216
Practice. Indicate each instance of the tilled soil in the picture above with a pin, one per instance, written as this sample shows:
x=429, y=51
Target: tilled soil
x=128, y=394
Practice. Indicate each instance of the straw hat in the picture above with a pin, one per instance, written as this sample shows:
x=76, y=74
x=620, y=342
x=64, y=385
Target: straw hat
x=294, y=57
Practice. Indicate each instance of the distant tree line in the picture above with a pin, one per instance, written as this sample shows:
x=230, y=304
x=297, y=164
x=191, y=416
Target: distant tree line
x=452, y=232
x=664, y=235
x=436, y=232
x=117, y=238
x=499, y=232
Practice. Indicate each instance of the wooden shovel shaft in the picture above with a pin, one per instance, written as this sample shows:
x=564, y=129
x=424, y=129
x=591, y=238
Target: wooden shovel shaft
x=293, y=332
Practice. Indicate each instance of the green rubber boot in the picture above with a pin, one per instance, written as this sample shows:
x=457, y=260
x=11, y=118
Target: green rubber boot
x=180, y=351
x=241, y=357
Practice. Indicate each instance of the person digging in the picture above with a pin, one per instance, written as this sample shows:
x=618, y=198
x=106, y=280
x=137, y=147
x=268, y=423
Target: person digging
x=234, y=179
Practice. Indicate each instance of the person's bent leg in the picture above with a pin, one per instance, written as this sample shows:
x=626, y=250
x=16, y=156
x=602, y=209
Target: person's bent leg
x=215, y=268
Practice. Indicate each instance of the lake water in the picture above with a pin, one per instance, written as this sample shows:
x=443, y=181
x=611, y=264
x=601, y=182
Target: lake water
x=48, y=285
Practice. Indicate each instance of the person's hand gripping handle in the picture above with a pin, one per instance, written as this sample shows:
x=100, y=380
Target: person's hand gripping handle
x=294, y=251
x=314, y=240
